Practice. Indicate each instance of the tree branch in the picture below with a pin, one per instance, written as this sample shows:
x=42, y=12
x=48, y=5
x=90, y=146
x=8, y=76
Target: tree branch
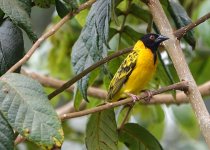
x=86, y=71
x=179, y=33
x=49, y=33
x=178, y=86
x=101, y=94
x=156, y=99
x=182, y=31
x=175, y=52
x=56, y=83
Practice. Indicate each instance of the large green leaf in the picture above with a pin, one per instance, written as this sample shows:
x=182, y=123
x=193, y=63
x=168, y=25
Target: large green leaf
x=6, y=134
x=136, y=137
x=181, y=19
x=27, y=109
x=18, y=15
x=101, y=132
x=26, y=4
x=11, y=45
x=91, y=45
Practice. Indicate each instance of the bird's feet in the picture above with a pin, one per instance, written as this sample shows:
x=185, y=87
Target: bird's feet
x=133, y=96
x=148, y=94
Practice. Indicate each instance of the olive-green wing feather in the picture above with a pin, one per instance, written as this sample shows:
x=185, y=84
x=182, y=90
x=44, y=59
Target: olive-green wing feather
x=122, y=74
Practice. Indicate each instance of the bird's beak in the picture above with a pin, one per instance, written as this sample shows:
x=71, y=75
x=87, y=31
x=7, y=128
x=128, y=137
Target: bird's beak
x=161, y=38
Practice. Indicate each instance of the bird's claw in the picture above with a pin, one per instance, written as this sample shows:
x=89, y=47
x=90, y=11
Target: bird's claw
x=148, y=94
x=133, y=96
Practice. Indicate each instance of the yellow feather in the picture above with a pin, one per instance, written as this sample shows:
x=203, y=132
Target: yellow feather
x=134, y=73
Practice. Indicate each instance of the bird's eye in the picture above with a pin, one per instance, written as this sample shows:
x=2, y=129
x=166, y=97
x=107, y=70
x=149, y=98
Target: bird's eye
x=152, y=37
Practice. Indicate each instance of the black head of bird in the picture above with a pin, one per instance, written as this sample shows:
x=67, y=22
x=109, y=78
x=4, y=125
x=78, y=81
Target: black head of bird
x=152, y=41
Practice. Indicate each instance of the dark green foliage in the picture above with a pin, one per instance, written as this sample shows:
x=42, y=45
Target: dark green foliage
x=18, y=13
x=181, y=19
x=11, y=45
x=136, y=137
x=91, y=44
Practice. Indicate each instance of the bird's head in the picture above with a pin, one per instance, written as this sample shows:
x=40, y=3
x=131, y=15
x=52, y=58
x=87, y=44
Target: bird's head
x=152, y=41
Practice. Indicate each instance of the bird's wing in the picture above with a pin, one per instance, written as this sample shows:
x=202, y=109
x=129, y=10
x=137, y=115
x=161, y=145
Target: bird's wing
x=122, y=74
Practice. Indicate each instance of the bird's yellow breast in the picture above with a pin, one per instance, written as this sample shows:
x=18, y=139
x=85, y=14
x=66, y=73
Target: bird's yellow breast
x=143, y=71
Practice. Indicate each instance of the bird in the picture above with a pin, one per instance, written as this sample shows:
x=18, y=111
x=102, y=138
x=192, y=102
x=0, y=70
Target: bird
x=137, y=69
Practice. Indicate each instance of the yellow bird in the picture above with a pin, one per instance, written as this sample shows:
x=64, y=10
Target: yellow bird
x=137, y=69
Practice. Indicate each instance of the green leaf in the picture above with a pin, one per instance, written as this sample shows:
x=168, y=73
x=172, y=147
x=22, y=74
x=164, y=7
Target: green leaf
x=91, y=45
x=181, y=19
x=18, y=15
x=1, y=15
x=44, y=3
x=11, y=45
x=61, y=8
x=27, y=109
x=101, y=132
x=81, y=17
x=140, y=12
x=136, y=137
x=6, y=134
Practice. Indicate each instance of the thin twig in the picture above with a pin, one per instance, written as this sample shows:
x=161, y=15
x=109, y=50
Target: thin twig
x=175, y=52
x=182, y=31
x=86, y=71
x=178, y=86
x=168, y=99
x=56, y=83
x=49, y=33
x=101, y=94
x=125, y=119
